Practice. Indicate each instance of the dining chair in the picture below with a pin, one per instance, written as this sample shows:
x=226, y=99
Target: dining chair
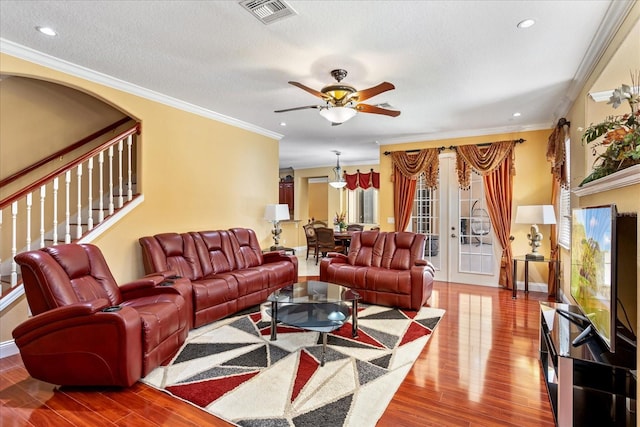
x=310, y=234
x=326, y=242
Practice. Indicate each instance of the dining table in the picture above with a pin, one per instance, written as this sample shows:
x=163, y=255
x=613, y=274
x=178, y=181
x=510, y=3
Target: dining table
x=344, y=237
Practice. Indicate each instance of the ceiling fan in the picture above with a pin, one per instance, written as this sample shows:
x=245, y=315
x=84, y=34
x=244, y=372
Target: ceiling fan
x=342, y=101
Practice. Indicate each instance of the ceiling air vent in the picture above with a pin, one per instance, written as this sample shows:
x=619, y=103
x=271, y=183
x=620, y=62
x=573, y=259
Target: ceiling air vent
x=268, y=11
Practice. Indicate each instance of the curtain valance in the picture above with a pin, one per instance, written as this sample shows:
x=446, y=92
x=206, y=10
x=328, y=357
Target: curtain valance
x=483, y=159
x=362, y=180
x=411, y=165
x=556, y=154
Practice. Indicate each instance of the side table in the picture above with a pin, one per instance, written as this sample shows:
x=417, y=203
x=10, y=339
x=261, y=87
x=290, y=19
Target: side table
x=280, y=248
x=526, y=272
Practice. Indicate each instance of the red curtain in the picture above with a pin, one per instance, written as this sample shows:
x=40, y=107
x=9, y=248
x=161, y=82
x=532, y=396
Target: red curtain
x=362, y=180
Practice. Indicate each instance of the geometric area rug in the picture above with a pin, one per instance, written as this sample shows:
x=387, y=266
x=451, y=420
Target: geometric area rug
x=231, y=369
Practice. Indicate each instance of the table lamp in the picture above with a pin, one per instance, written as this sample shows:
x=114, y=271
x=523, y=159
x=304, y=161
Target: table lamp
x=534, y=215
x=275, y=214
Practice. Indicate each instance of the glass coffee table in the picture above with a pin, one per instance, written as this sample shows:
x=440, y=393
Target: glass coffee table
x=314, y=306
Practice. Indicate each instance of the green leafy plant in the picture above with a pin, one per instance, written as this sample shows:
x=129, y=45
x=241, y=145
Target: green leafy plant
x=619, y=134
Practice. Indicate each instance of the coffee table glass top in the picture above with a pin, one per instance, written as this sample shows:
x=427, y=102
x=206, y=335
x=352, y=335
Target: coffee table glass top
x=313, y=292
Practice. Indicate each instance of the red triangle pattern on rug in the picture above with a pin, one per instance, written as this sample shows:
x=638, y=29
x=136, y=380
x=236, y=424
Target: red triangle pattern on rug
x=307, y=366
x=414, y=332
x=205, y=392
x=346, y=332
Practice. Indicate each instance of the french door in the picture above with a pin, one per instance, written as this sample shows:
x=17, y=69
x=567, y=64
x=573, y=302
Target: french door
x=460, y=240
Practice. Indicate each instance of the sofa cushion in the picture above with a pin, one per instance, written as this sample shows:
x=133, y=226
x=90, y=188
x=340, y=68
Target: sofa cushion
x=171, y=251
x=402, y=250
x=246, y=248
x=386, y=280
x=366, y=248
x=215, y=252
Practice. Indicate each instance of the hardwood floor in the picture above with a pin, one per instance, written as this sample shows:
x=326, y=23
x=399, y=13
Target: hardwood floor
x=480, y=368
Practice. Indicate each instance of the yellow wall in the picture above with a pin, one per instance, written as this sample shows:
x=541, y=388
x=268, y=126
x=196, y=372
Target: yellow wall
x=318, y=201
x=196, y=175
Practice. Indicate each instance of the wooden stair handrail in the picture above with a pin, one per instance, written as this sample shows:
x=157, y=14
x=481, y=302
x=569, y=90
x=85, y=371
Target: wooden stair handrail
x=63, y=151
x=37, y=184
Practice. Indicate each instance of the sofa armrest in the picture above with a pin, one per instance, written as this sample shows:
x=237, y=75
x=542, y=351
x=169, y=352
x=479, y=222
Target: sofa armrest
x=420, y=262
x=276, y=256
x=86, y=345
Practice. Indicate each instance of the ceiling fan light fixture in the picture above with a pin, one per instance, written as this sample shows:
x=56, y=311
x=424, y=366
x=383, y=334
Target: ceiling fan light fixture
x=338, y=114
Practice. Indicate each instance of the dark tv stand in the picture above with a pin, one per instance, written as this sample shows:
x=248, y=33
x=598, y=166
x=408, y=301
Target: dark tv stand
x=582, y=322
x=587, y=384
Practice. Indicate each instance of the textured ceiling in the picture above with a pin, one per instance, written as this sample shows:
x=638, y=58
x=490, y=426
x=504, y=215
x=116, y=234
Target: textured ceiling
x=459, y=67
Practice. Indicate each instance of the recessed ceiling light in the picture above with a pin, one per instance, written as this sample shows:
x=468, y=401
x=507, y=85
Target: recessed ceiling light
x=517, y=114
x=283, y=124
x=526, y=23
x=47, y=31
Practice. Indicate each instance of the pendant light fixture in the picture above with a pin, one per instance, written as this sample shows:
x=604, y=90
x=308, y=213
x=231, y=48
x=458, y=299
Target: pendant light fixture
x=338, y=180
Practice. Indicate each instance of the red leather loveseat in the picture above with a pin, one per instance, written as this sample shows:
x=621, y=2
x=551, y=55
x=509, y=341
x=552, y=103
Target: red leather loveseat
x=227, y=268
x=386, y=268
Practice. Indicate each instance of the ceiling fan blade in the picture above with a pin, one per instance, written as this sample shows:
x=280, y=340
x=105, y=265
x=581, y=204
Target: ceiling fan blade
x=298, y=108
x=366, y=108
x=361, y=95
x=311, y=91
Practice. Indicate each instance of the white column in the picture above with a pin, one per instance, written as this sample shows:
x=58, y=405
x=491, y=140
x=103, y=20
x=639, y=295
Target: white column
x=29, y=201
x=79, y=206
x=129, y=184
x=110, y=154
x=55, y=211
x=43, y=195
x=67, y=212
x=120, y=175
x=90, y=195
x=14, y=246
x=101, y=187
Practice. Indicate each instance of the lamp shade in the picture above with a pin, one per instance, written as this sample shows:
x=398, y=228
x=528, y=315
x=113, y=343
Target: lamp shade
x=338, y=114
x=535, y=214
x=276, y=212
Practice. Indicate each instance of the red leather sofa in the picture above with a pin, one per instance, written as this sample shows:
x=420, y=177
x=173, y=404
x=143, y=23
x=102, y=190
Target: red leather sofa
x=227, y=269
x=87, y=330
x=386, y=268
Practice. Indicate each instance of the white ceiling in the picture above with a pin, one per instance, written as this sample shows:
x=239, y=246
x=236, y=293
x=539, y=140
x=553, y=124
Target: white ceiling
x=460, y=67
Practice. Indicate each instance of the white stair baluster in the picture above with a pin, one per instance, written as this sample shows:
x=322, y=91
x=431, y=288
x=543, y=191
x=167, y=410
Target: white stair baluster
x=43, y=195
x=55, y=211
x=129, y=184
x=120, y=176
x=110, y=154
x=1, y=243
x=29, y=201
x=101, y=187
x=14, y=246
x=90, y=195
x=67, y=212
x=79, y=213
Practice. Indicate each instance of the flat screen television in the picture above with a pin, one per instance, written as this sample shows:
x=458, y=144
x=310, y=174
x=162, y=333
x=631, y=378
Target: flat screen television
x=593, y=271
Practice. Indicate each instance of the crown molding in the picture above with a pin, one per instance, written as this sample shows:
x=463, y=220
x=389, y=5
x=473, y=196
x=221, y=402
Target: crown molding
x=465, y=133
x=615, y=15
x=22, y=52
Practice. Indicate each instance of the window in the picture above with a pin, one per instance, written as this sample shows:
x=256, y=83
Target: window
x=362, y=206
x=564, y=222
x=424, y=215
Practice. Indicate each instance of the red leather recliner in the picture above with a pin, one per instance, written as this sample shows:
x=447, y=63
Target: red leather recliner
x=86, y=330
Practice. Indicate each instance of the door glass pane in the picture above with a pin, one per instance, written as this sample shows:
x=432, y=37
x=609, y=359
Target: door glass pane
x=425, y=219
x=362, y=206
x=476, y=237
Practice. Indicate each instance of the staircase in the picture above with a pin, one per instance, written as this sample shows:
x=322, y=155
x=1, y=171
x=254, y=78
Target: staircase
x=75, y=202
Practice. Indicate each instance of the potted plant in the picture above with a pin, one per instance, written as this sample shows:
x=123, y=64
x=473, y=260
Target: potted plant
x=621, y=134
x=340, y=220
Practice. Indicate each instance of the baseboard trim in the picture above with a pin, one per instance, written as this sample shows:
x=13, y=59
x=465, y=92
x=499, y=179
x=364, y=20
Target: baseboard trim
x=534, y=287
x=8, y=348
